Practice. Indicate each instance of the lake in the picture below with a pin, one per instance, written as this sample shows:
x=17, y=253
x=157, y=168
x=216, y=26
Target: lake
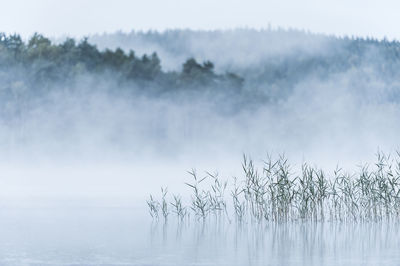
x=96, y=235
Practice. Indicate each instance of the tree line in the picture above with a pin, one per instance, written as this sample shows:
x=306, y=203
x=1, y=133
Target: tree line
x=42, y=62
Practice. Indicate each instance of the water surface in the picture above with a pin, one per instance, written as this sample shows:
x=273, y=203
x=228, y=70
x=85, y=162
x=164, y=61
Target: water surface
x=95, y=235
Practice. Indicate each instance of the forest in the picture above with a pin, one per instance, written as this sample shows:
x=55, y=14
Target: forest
x=247, y=67
x=42, y=63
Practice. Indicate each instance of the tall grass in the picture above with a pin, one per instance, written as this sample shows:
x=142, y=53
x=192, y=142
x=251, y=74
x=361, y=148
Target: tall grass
x=275, y=193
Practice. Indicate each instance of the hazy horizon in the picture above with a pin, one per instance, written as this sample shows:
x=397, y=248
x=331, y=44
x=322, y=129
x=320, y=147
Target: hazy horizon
x=81, y=18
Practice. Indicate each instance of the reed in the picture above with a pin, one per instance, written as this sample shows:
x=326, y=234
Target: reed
x=275, y=193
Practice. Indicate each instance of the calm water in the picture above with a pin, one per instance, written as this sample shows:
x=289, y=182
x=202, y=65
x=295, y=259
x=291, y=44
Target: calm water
x=127, y=236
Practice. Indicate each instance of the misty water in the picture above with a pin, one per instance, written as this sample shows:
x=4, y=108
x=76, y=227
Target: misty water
x=69, y=235
x=86, y=135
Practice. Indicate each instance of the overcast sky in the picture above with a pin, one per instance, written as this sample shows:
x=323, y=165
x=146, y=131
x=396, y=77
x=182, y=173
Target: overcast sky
x=84, y=17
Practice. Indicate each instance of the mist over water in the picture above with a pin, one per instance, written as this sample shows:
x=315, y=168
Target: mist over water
x=122, y=236
x=78, y=163
x=142, y=136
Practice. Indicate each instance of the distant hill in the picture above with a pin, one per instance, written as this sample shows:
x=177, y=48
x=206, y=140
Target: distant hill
x=270, y=60
x=255, y=66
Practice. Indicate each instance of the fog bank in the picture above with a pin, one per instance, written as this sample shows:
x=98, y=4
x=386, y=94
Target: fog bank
x=100, y=137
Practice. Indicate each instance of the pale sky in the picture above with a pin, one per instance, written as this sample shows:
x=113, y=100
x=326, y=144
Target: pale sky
x=84, y=17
